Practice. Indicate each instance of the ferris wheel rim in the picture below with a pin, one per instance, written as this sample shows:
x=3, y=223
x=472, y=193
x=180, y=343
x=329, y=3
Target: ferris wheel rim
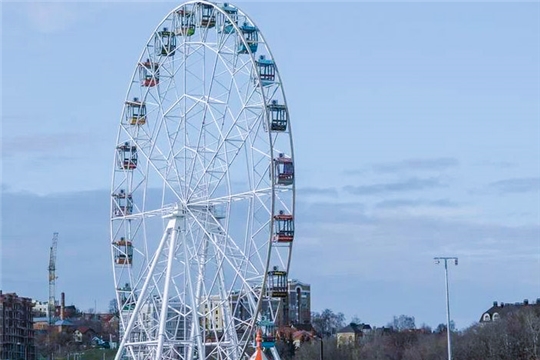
x=232, y=197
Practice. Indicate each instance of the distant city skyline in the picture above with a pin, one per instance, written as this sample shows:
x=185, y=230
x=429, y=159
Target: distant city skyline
x=416, y=131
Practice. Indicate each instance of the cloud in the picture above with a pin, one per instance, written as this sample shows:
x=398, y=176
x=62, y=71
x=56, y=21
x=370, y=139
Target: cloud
x=434, y=164
x=50, y=17
x=515, y=185
x=497, y=164
x=311, y=191
x=412, y=184
x=40, y=143
x=399, y=203
x=342, y=250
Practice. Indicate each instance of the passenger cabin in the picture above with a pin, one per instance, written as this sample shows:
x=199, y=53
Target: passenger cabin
x=208, y=16
x=230, y=19
x=149, y=73
x=186, y=25
x=251, y=35
x=276, y=283
x=284, y=227
x=267, y=70
x=268, y=332
x=278, y=116
x=126, y=298
x=123, y=203
x=123, y=252
x=165, y=42
x=136, y=112
x=127, y=156
x=284, y=170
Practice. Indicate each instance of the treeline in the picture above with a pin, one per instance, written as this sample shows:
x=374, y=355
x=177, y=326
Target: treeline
x=516, y=336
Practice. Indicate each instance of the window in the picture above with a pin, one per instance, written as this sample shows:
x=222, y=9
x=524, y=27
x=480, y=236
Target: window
x=496, y=316
x=486, y=317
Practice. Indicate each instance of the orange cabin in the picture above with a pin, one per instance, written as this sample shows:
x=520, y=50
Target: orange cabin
x=277, y=283
x=123, y=254
x=135, y=112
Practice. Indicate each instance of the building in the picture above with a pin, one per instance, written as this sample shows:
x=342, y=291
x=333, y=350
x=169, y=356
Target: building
x=16, y=328
x=39, y=308
x=352, y=333
x=297, y=304
x=498, y=311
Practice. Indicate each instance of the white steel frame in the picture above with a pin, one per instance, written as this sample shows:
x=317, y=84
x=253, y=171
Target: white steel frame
x=204, y=195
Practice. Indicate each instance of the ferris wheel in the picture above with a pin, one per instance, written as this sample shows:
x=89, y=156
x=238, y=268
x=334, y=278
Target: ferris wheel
x=203, y=189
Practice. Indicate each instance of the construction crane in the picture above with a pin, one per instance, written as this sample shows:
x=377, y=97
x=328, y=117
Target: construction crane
x=52, y=278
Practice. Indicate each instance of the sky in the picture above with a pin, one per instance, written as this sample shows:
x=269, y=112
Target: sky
x=416, y=132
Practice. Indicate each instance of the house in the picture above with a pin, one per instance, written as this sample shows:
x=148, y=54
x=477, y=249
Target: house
x=351, y=334
x=83, y=335
x=498, y=311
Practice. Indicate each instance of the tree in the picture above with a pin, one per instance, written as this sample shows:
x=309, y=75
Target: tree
x=356, y=320
x=327, y=323
x=402, y=323
x=113, y=307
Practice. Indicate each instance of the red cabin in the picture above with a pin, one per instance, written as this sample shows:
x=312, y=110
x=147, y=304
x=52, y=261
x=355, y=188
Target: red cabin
x=284, y=170
x=149, y=73
x=124, y=204
x=127, y=156
x=284, y=228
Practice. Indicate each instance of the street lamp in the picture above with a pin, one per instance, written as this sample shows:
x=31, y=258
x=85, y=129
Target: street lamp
x=321, y=352
x=438, y=261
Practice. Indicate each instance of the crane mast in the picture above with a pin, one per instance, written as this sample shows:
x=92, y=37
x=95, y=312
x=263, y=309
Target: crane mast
x=52, y=278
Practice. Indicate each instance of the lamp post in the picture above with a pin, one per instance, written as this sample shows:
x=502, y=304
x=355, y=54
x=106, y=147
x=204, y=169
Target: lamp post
x=321, y=352
x=438, y=261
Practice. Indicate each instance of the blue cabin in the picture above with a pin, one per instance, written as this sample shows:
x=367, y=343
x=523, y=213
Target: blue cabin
x=267, y=70
x=127, y=156
x=208, y=17
x=278, y=116
x=165, y=42
x=185, y=26
x=284, y=170
x=276, y=283
x=283, y=227
x=268, y=330
x=251, y=35
x=232, y=13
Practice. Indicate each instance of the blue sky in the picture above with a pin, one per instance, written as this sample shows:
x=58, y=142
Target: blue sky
x=416, y=130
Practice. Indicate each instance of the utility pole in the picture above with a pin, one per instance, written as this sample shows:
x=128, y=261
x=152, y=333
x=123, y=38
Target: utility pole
x=438, y=261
